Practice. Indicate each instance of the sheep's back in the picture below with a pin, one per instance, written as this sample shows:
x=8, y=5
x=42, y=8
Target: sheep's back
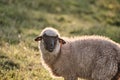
x=86, y=50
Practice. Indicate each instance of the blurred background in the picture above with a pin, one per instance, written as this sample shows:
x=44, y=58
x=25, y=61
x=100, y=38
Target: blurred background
x=22, y=20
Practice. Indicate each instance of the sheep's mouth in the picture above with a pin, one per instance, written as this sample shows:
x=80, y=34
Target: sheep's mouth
x=50, y=50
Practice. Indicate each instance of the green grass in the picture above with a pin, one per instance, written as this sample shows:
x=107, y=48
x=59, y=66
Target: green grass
x=22, y=20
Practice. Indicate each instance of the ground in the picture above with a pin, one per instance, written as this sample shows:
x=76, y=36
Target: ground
x=22, y=20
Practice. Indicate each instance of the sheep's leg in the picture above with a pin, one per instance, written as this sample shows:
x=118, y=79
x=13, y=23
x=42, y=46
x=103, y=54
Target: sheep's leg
x=70, y=78
x=105, y=69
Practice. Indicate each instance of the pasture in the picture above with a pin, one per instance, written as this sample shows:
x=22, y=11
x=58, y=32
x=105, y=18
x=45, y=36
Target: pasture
x=22, y=20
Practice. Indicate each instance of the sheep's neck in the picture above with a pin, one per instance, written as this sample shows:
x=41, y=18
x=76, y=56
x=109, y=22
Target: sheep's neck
x=51, y=59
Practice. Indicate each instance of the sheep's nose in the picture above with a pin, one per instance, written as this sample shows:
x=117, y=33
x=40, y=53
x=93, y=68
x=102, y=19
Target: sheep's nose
x=51, y=46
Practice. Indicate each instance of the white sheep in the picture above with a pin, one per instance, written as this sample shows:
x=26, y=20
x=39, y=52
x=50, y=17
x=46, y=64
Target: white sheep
x=87, y=57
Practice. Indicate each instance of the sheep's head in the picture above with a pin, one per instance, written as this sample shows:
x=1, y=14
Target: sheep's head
x=50, y=37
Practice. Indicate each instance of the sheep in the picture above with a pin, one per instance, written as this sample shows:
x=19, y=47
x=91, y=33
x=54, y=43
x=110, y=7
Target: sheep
x=87, y=57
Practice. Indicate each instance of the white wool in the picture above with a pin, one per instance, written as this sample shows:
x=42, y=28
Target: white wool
x=50, y=32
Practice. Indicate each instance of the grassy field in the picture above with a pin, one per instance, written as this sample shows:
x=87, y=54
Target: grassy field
x=22, y=20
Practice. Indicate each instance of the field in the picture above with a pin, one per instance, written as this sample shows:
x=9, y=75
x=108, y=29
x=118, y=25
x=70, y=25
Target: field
x=22, y=20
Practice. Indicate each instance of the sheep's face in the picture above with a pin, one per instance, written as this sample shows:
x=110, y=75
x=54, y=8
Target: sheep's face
x=50, y=42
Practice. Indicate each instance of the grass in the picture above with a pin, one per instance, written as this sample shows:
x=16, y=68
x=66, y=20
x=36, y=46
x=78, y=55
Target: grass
x=22, y=20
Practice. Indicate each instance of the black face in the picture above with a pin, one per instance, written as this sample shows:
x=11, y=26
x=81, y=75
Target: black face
x=50, y=42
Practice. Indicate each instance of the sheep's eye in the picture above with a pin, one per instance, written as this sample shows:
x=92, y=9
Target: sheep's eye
x=44, y=37
x=56, y=38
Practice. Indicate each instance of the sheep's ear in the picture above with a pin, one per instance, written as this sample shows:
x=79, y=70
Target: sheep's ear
x=39, y=38
x=62, y=41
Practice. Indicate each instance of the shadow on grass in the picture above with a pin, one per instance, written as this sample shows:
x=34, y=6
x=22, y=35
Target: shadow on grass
x=6, y=63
